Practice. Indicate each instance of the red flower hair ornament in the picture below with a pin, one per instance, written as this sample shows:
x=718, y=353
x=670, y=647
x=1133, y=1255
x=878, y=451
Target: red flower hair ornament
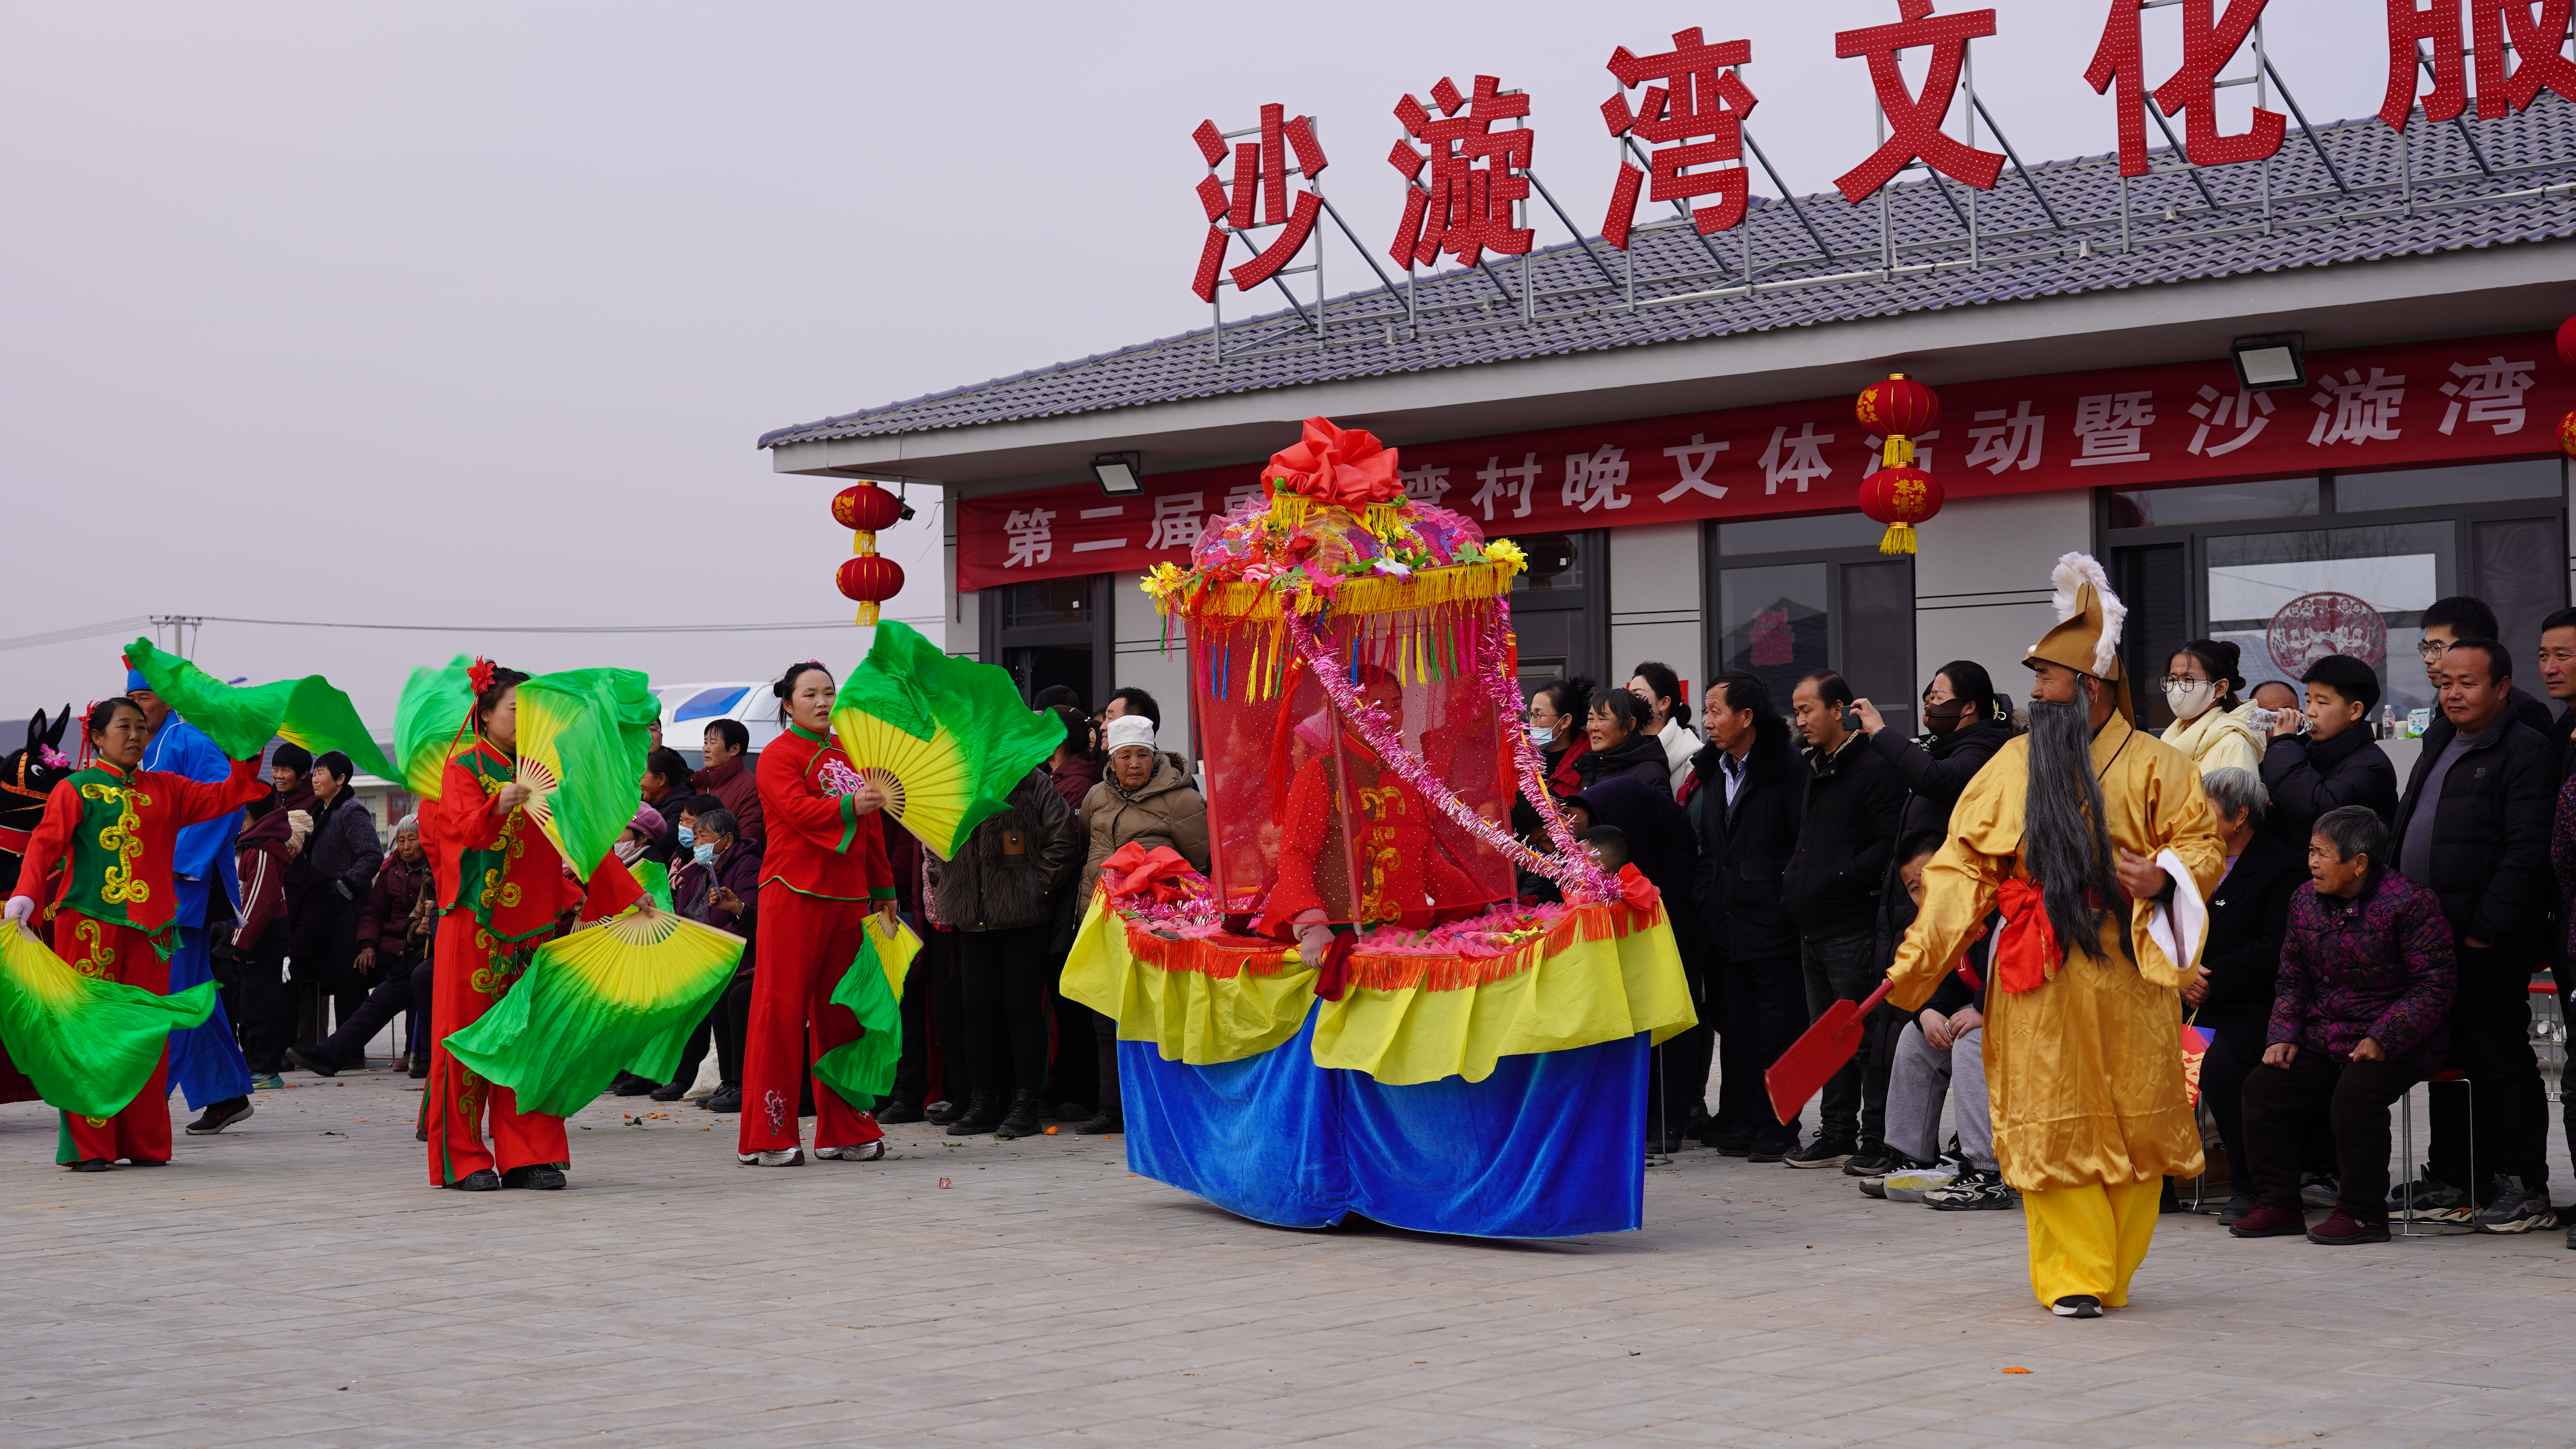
x=1348, y=466
x=480, y=676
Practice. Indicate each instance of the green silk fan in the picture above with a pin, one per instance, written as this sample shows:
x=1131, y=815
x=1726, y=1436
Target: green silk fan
x=88, y=1044
x=310, y=712
x=430, y=724
x=945, y=739
x=622, y=995
x=584, y=781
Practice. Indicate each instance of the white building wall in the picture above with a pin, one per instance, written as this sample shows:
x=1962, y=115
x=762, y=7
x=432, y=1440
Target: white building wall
x=1656, y=598
x=1981, y=578
x=1137, y=658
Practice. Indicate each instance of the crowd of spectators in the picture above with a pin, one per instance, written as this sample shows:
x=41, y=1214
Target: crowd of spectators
x=2365, y=936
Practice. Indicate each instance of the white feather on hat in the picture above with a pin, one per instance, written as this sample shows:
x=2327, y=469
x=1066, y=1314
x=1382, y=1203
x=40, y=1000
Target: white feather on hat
x=2073, y=571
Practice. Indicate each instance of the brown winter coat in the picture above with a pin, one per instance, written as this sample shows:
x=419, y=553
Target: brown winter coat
x=1168, y=811
x=1007, y=872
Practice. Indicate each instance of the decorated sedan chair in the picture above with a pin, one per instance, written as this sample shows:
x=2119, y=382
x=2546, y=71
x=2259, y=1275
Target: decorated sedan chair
x=1355, y=1011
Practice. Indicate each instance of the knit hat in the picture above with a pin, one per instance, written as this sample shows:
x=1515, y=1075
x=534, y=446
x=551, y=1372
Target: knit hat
x=648, y=820
x=1128, y=729
x=2090, y=617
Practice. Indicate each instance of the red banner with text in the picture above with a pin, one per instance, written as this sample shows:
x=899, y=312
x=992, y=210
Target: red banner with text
x=2401, y=405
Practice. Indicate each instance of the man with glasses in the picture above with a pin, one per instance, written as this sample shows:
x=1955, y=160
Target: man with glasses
x=2448, y=621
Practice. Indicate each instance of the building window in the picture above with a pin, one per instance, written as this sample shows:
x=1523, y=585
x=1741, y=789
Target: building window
x=1794, y=595
x=2289, y=569
x=1053, y=631
x=1561, y=608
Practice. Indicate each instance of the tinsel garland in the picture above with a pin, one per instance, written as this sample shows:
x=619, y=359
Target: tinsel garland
x=1572, y=868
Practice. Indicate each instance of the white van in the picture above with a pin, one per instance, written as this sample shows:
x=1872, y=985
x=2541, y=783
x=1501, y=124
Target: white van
x=686, y=709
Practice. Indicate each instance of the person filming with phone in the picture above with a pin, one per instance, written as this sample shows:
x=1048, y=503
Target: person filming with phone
x=1831, y=887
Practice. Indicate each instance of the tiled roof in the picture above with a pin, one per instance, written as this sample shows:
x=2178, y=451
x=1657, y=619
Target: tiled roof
x=2466, y=185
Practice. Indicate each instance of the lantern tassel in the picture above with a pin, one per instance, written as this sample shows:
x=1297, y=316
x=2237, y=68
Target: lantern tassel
x=1900, y=539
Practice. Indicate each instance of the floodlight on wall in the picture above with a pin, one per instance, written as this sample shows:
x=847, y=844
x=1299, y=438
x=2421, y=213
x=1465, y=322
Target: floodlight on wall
x=2266, y=363
x=1120, y=474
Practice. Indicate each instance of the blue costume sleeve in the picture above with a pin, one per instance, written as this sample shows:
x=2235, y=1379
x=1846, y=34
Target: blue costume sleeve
x=203, y=853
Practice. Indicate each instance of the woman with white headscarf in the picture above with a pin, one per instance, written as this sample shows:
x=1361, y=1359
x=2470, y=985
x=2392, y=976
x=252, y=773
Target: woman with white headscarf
x=1143, y=799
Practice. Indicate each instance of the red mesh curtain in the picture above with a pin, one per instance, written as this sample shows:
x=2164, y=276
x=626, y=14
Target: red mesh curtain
x=1304, y=813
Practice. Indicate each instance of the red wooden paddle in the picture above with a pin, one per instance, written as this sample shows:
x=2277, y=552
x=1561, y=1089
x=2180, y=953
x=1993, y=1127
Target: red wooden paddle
x=1803, y=1069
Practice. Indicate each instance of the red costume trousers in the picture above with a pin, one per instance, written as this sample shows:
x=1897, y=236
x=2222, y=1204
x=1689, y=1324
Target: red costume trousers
x=110, y=952
x=464, y=985
x=806, y=942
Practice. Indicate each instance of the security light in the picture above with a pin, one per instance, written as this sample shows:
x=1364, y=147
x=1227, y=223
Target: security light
x=1119, y=473
x=2265, y=363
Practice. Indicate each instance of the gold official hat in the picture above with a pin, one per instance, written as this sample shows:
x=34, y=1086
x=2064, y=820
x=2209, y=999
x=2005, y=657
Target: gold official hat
x=2086, y=638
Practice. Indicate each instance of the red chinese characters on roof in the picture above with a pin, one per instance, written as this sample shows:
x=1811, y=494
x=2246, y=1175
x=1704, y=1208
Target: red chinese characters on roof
x=1914, y=122
x=1696, y=119
x=1257, y=194
x=1464, y=206
x=2209, y=40
x=2517, y=53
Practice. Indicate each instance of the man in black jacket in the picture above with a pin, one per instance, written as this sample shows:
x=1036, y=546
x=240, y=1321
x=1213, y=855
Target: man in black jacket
x=2474, y=828
x=2336, y=763
x=2558, y=677
x=2448, y=621
x=1744, y=805
x=1846, y=835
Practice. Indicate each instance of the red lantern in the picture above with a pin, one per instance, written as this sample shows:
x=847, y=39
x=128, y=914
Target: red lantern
x=1898, y=406
x=1899, y=497
x=870, y=579
x=2567, y=342
x=866, y=507
x=2567, y=434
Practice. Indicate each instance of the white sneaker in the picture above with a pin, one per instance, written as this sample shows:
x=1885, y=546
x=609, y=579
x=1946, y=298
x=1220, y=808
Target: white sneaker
x=868, y=1152
x=782, y=1157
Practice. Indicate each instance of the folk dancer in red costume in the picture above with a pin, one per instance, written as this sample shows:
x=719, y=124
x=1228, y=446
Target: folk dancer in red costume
x=823, y=870
x=1406, y=873
x=110, y=829
x=501, y=889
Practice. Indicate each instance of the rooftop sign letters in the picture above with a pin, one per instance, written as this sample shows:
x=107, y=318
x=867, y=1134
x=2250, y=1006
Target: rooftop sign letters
x=1683, y=140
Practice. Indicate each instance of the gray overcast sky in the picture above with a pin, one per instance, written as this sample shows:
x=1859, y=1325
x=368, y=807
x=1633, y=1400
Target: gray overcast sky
x=470, y=313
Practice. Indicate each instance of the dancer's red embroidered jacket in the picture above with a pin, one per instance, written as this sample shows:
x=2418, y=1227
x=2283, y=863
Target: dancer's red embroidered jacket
x=500, y=868
x=114, y=830
x=819, y=844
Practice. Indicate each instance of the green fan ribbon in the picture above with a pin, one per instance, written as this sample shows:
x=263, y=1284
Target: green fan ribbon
x=603, y=714
x=863, y=1070
x=308, y=711
x=913, y=685
x=429, y=721
x=655, y=880
x=557, y=1042
x=88, y=1045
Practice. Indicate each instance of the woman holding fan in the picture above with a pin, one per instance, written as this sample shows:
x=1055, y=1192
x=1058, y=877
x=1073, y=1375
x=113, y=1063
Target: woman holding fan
x=110, y=828
x=501, y=887
x=823, y=871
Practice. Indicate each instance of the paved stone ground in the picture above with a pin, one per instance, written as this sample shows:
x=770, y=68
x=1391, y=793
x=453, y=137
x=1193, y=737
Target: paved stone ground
x=296, y=1282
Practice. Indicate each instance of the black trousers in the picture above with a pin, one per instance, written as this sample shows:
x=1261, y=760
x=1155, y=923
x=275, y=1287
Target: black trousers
x=1762, y=1008
x=267, y=1019
x=405, y=991
x=2491, y=1041
x=1677, y=1088
x=1844, y=968
x=2353, y=1097
x=1003, y=978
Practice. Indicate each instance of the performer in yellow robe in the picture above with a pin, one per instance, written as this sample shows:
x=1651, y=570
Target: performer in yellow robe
x=2083, y=1066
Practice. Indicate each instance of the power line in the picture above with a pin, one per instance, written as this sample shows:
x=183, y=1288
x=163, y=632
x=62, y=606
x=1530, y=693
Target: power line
x=119, y=626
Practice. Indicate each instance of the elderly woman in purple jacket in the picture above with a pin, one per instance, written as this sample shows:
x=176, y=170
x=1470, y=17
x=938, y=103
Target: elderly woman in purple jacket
x=2359, y=1015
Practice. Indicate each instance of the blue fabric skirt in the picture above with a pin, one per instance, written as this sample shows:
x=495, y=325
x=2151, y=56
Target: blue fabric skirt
x=1549, y=1146
x=206, y=1064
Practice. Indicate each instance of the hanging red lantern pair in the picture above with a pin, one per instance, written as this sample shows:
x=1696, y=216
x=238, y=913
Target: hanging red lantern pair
x=1898, y=494
x=867, y=578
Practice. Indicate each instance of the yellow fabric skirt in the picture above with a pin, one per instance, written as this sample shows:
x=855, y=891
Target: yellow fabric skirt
x=1602, y=973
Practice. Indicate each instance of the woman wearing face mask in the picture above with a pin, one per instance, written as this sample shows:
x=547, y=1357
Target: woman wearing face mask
x=1557, y=715
x=2211, y=725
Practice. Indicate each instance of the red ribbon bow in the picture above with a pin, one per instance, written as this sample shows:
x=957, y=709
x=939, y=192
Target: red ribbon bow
x=1131, y=869
x=1636, y=890
x=2027, y=945
x=1348, y=466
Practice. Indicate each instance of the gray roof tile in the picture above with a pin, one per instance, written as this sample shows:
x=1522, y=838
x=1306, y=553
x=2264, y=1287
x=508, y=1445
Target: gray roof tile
x=1469, y=317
